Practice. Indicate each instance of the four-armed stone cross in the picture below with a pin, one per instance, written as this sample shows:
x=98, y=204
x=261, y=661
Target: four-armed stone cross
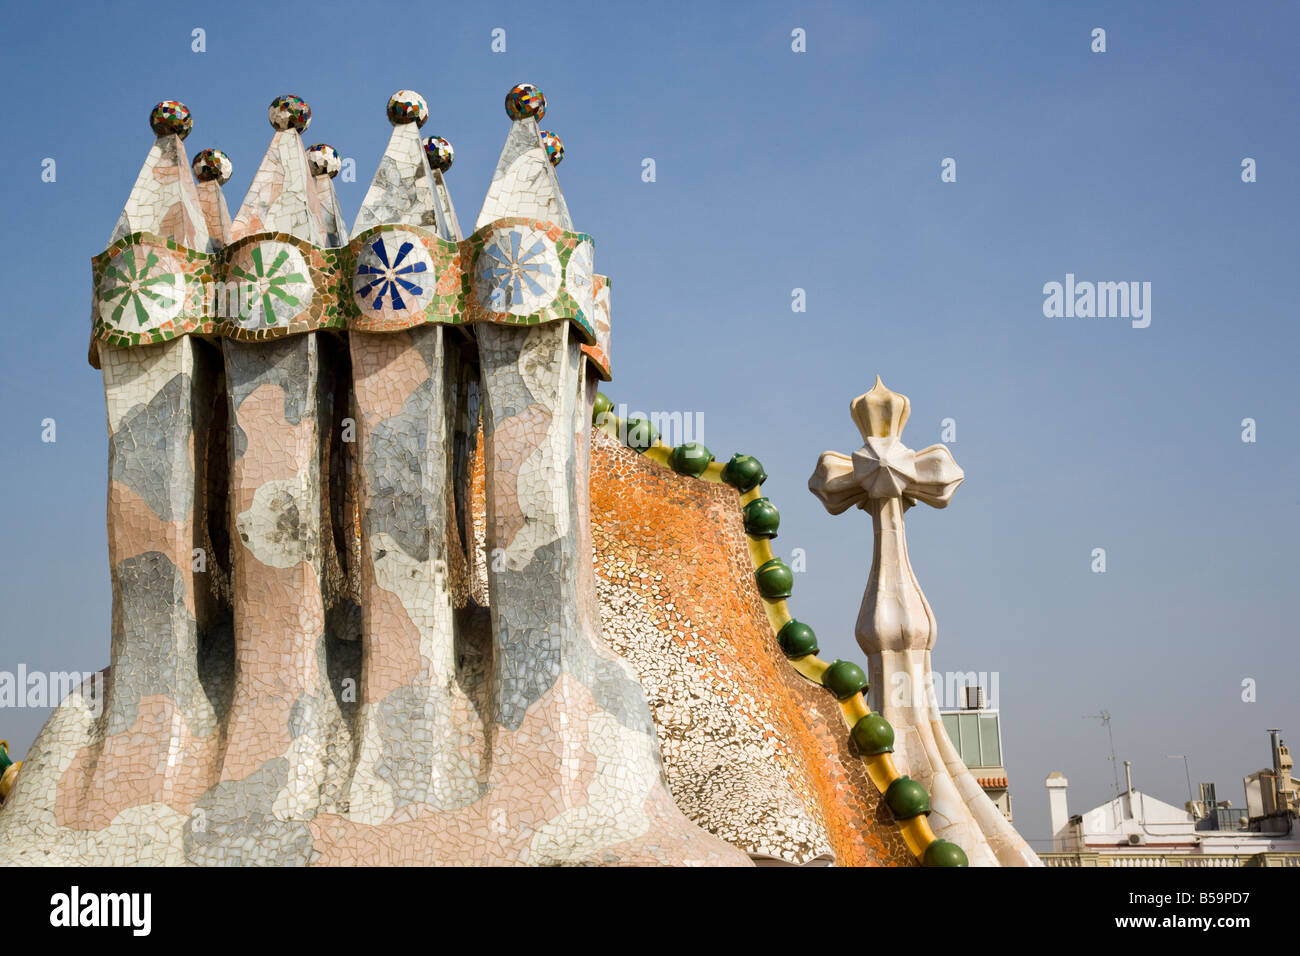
x=896, y=627
x=884, y=478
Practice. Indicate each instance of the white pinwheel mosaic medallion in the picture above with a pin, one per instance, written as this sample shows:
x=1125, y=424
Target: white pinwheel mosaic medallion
x=578, y=281
x=518, y=271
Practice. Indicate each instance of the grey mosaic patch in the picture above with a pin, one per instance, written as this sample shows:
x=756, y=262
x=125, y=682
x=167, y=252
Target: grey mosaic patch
x=233, y=824
x=157, y=643
x=508, y=395
x=404, y=468
x=149, y=452
x=419, y=746
x=287, y=363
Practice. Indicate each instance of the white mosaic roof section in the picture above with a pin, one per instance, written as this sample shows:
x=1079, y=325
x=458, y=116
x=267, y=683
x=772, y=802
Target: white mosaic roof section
x=722, y=768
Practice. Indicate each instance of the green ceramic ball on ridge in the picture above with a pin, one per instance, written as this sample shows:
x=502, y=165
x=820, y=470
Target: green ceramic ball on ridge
x=744, y=473
x=602, y=406
x=907, y=799
x=775, y=581
x=761, y=518
x=944, y=853
x=640, y=433
x=844, y=679
x=796, y=639
x=690, y=458
x=873, y=735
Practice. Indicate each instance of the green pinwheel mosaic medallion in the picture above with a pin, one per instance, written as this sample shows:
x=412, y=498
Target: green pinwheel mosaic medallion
x=142, y=289
x=274, y=284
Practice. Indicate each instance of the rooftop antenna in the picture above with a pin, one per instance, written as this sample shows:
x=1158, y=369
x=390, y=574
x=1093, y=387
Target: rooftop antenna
x=1104, y=717
x=1186, y=770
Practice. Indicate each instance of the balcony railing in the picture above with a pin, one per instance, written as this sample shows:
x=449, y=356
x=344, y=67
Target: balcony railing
x=1169, y=859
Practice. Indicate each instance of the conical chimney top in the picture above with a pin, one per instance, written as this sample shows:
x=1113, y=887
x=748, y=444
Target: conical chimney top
x=283, y=197
x=164, y=200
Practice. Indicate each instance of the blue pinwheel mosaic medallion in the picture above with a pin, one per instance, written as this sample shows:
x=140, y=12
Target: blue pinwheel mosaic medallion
x=395, y=275
x=142, y=289
x=517, y=271
x=273, y=282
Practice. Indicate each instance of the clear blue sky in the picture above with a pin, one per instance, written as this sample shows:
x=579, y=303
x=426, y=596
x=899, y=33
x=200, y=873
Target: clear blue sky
x=820, y=170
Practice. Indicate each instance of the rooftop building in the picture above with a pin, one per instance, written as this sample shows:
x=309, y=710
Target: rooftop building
x=976, y=732
x=1136, y=829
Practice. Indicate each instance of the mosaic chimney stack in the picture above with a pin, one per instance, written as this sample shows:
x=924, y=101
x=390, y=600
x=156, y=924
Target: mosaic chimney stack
x=560, y=697
x=154, y=737
x=287, y=748
x=896, y=627
x=303, y=670
x=421, y=736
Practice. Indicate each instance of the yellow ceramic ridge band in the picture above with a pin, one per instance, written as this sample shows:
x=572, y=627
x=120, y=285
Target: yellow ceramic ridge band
x=611, y=424
x=854, y=709
x=760, y=551
x=881, y=770
x=777, y=613
x=659, y=453
x=918, y=834
x=810, y=666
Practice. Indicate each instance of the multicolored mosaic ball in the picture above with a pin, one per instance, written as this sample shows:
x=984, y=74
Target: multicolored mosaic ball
x=407, y=106
x=439, y=152
x=212, y=164
x=171, y=118
x=525, y=100
x=554, y=147
x=324, y=160
x=289, y=112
